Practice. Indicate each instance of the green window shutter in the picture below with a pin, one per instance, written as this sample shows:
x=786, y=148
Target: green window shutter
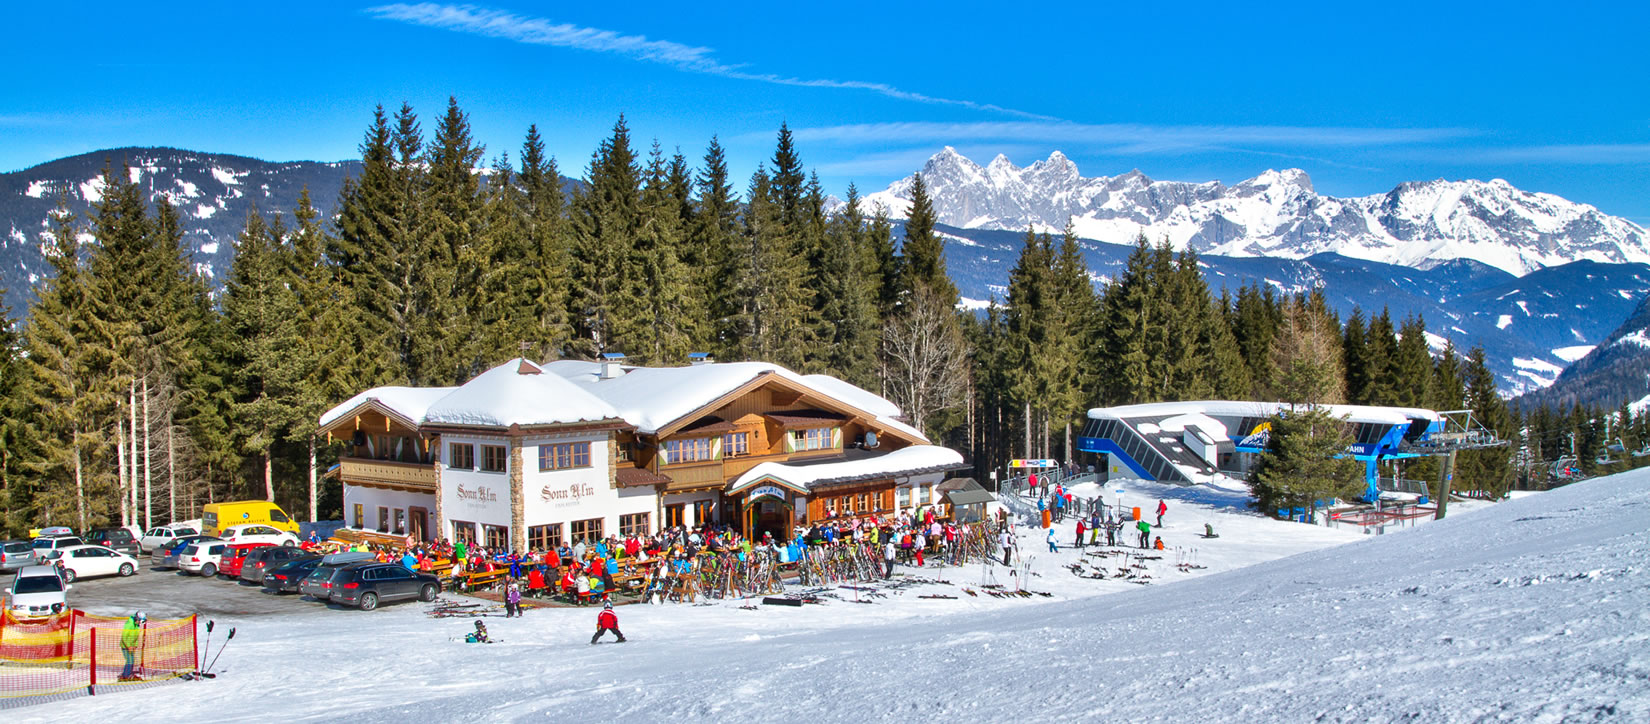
x=836, y=438
x=790, y=442
x=716, y=448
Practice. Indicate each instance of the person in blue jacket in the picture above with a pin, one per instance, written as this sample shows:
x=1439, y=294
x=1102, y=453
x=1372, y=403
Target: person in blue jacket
x=409, y=560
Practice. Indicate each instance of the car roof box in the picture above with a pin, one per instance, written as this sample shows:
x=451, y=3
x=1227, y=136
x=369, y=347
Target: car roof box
x=333, y=559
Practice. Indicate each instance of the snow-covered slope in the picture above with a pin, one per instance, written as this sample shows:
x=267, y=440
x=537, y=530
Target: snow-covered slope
x=1276, y=214
x=1536, y=609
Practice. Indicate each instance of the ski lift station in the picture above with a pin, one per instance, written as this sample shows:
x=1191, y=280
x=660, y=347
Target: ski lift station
x=1193, y=442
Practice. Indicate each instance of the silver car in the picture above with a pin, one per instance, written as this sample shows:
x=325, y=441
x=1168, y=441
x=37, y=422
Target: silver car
x=36, y=592
x=15, y=554
x=44, y=545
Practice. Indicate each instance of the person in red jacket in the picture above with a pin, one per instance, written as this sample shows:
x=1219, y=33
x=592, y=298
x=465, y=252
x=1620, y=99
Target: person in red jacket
x=1162, y=508
x=607, y=621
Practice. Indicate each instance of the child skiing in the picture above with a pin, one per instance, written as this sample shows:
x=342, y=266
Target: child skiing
x=1052, y=547
x=607, y=621
x=478, y=636
x=130, y=637
x=512, y=600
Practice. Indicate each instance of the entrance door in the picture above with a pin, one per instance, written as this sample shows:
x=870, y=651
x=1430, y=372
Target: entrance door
x=416, y=517
x=767, y=515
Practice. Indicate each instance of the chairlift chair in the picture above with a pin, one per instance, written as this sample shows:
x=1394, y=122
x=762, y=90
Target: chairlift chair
x=1603, y=456
x=1643, y=452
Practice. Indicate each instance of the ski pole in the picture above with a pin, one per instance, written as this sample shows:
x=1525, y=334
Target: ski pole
x=208, y=648
x=220, y=649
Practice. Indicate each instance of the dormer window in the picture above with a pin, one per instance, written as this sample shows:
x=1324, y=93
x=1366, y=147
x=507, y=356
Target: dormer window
x=815, y=438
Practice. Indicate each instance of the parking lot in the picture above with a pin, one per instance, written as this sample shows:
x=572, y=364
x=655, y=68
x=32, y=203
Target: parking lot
x=169, y=594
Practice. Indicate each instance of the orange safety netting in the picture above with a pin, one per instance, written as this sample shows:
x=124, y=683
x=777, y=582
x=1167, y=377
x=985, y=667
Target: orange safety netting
x=75, y=652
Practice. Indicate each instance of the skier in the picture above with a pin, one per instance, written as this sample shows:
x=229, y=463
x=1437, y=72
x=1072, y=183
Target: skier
x=512, y=600
x=478, y=636
x=1052, y=547
x=888, y=553
x=1081, y=526
x=130, y=636
x=1006, y=540
x=1159, y=544
x=1162, y=508
x=1145, y=532
x=607, y=621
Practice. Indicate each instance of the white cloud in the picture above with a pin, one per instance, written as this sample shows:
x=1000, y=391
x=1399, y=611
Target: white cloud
x=691, y=58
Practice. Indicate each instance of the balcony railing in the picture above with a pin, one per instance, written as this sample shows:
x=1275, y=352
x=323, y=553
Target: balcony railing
x=415, y=476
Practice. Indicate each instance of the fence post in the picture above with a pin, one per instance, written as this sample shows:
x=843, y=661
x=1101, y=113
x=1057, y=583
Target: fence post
x=194, y=643
x=91, y=688
x=143, y=651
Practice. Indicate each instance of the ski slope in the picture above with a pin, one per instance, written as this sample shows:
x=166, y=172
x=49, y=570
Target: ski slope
x=1535, y=609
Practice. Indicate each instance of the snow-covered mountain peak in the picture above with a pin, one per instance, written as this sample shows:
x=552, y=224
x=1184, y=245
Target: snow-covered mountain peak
x=1278, y=213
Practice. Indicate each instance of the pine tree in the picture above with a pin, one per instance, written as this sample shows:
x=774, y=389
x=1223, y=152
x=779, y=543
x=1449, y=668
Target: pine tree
x=922, y=260
x=545, y=216
x=1354, y=351
x=1257, y=317
x=660, y=331
x=605, y=219
x=1307, y=353
x=1380, y=362
x=450, y=268
x=766, y=281
x=315, y=291
x=848, y=287
x=372, y=258
x=260, y=311
x=712, y=251
x=1302, y=463
x=504, y=260
x=1412, y=365
x=1488, y=471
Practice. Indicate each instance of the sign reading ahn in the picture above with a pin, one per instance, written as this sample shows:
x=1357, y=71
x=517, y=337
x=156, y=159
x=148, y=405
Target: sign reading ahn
x=768, y=491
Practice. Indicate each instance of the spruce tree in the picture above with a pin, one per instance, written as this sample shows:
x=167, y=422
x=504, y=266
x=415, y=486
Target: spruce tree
x=1303, y=462
x=1380, y=362
x=372, y=259
x=712, y=248
x=922, y=255
x=261, y=312
x=660, y=330
x=1488, y=471
x=545, y=215
x=1354, y=351
x=606, y=214
x=450, y=268
x=1412, y=365
x=848, y=289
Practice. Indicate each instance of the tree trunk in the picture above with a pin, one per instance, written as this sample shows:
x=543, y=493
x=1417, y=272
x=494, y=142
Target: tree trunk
x=79, y=476
x=120, y=460
x=171, y=474
x=148, y=449
x=269, y=476
x=1028, y=452
x=1069, y=456
x=131, y=401
x=313, y=515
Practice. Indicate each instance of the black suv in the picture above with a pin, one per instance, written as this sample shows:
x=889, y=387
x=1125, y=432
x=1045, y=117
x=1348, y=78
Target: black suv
x=118, y=539
x=287, y=577
x=364, y=585
x=260, y=561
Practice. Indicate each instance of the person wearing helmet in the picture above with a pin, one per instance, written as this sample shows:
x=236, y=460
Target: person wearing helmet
x=478, y=636
x=130, y=637
x=607, y=621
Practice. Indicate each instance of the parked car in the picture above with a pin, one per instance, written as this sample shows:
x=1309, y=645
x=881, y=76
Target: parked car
x=287, y=577
x=44, y=545
x=85, y=561
x=260, y=561
x=259, y=533
x=365, y=585
x=118, y=539
x=51, y=531
x=37, y=591
x=167, y=556
x=230, y=566
x=164, y=536
x=15, y=554
x=318, y=584
x=203, y=557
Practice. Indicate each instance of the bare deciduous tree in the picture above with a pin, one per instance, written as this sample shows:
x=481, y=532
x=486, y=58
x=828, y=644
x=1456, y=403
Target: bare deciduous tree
x=927, y=359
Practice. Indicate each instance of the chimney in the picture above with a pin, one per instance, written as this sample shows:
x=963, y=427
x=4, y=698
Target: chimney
x=699, y=358
x=612, y=365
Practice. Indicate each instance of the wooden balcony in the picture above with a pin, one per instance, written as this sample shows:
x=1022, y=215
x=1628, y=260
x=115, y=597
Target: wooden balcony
x=694, y=476
x=733, y=467
x=411, y=477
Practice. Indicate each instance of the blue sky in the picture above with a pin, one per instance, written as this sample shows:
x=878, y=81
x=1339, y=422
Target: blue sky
x=1361, y=96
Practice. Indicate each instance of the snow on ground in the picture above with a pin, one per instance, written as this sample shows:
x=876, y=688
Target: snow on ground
x=1571, y=354
x=1530, y=610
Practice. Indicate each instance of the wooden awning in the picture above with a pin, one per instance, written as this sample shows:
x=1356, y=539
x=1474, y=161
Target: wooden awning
x=629, y=477
x=791, y=419
x=708, y=425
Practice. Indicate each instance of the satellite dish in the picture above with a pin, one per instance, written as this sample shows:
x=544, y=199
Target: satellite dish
x=870, y=439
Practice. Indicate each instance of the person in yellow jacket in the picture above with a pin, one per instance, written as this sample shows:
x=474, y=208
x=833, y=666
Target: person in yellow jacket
x=130, y=637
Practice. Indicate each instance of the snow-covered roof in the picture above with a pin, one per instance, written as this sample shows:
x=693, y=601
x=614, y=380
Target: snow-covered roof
x=518, y=392
x=652, y=398
x=905, y=461
x=408, y=402
x=1239, y=409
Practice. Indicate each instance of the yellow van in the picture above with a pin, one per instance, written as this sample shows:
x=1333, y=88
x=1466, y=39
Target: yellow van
x=217, y=516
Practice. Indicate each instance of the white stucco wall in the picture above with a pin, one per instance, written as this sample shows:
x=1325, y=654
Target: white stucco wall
x=562, y=496
x=371, y=499
x=473, y=496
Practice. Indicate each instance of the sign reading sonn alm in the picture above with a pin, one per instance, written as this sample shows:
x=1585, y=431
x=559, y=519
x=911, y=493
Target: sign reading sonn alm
x=481, y=494
x=566, y=495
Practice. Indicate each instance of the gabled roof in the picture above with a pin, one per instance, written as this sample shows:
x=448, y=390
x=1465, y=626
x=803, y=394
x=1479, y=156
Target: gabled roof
x=404, y=403
x=658, y=399
x=914, y=460
x=515, y=393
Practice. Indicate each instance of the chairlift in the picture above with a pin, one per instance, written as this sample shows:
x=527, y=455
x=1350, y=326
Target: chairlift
x=1604, y=455
x=1643, y=452
x=1565, y=468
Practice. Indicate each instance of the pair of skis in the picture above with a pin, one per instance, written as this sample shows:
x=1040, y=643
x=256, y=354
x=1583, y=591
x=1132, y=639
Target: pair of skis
x=205, y=672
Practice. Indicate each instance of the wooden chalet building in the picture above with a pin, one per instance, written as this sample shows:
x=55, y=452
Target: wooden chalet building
x=528, y=455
